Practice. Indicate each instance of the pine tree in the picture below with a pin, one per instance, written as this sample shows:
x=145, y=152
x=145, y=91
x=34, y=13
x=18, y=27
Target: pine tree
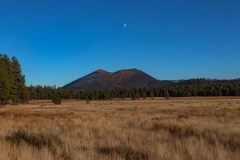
x=12, y=82
x=19, y=82
x=166, y=94
x=152, y=95
x=133, y=96
x=144, y=95
x=57, y=99
x=5, y=80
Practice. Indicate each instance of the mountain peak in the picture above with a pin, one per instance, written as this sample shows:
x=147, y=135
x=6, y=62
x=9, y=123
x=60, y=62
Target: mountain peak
x=128, y=71
x=101, y=71
x=126, y=78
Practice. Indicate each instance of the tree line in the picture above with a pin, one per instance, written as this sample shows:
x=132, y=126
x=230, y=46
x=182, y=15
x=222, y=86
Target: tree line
x=14, y=91
x=189, y=88
x=12, y=82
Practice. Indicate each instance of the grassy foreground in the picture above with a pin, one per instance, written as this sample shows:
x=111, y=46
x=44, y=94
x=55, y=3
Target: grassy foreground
x=175, y=129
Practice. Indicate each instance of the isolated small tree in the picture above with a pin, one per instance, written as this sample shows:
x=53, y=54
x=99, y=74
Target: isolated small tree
x=137, y=96
x=57, y=99
x=87, y=101
x=134, y=96
x=144, y=95
x=152, y=95
x=166, y=94
x=87, y=98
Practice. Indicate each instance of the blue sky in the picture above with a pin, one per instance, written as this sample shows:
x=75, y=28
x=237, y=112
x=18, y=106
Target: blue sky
x=58, y=41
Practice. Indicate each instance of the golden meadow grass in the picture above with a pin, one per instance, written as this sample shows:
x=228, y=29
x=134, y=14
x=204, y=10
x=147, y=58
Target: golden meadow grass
x=175, y=129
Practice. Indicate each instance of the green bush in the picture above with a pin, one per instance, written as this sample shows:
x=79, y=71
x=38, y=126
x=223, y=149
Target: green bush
x=57, y=100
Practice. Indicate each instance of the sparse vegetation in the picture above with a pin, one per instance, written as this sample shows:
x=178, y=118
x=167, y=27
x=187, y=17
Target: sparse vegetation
x=175, y=129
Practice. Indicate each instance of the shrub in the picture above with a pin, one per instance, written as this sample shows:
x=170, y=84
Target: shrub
x=57, y=100
x=36, y=140
x=87, y=101
x=166, y=95
x=152, y=95
x=125, y=151
x=175, y=130
x=182, y=116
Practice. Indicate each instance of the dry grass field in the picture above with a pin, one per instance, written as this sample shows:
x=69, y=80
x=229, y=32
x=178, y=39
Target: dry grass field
x=175, y=129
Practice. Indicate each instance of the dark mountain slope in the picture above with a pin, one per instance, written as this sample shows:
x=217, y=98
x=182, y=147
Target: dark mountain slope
x=97, y=79
x=101, y=79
